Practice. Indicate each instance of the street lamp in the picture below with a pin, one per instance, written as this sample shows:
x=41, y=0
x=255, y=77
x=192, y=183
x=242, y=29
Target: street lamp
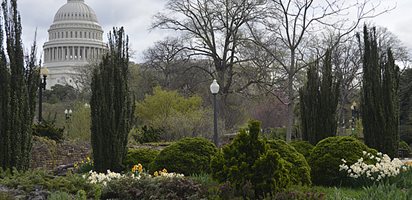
x=68, y=113
x=42, y=86
x=214, y=88
x=354, y=116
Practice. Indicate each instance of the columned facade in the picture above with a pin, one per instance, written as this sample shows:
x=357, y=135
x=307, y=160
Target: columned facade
x=75, y=40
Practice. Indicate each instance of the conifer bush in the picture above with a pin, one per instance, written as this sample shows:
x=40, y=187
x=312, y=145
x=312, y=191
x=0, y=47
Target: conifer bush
x=299, y=168
x=144, y=156
x=327, y=156
x=187, y=156
x=303, y=147
x=248, y=161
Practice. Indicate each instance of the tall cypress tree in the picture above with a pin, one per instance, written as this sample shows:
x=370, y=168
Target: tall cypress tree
x=318, y=102
x=379, y=106
x=18, y=82
x=111, y=105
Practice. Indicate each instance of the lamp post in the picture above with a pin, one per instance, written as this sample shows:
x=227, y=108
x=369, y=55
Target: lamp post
x=43, y=72
x=68, y=113
x=214, y=88
x=354, y=116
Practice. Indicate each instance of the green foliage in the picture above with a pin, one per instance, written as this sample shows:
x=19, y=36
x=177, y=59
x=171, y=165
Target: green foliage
x=380, y=100
x=19, y=80
x=405, y=98
x=318, y=102
x=147, y=134
x=299, y=170
x=84, y=166
x=111, y=105
x=28, y=181
x=60, y=93
x=187, y=156
x=303, y=147
x=247, y=163
x=176, y=115
x=49, y=130
x=153, y=188
x=405, y=147
x=404, y=179
x=386, y=191
x=78, y=126
x=58, y=195
x=143, y=156
x=327, y=156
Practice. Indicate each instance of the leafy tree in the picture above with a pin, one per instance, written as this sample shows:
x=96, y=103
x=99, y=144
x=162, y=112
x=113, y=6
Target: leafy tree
x=18, y=82
x=176, y=115
x=111, y=105
x=60, y=93
x=380, y=99
x=318, y=102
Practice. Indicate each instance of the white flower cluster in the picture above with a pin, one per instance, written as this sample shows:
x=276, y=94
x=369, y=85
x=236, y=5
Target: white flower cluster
x=165, y=174
x=384, y=167
x=104, y=178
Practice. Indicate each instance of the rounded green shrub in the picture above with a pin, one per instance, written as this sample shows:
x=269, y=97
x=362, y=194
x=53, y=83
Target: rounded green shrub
x=250, y=166
x=404, y=147
x=187, y=156
x=303, y=147
x=144, y=156
x=327, y=156
x=299, y=169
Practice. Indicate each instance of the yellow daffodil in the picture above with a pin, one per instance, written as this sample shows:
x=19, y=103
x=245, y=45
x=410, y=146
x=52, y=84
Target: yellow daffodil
x=156, y=174
x=135, y=168
x=139, y=168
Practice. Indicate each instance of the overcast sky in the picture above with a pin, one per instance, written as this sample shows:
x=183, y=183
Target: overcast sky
x=136, y=17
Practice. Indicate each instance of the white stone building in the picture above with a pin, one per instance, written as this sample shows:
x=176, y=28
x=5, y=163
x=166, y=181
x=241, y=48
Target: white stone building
x=75, y=40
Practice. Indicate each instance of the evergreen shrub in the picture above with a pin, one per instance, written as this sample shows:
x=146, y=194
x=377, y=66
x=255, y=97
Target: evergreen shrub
x=299, y=169
x=144, y=156
x=327, y=156
x=404, y=147
x=303, y=147
x=49, y=130
x=154, y=188
x=187, y=156
x=248, y=164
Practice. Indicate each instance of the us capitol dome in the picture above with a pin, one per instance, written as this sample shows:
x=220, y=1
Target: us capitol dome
x=75, y=40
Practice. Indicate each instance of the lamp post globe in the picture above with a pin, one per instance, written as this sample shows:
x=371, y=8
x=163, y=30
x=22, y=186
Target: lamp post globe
x=214, y=88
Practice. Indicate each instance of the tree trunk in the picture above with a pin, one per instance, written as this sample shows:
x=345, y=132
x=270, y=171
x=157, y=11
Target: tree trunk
x=290, y=93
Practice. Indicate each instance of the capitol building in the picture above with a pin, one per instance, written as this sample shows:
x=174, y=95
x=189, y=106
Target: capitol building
x=75, y=40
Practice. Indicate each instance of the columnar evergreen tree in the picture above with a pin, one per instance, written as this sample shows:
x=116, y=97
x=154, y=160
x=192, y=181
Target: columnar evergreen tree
x=18, y=82
x=379, y=106
x=318, y=102
x=111, y=105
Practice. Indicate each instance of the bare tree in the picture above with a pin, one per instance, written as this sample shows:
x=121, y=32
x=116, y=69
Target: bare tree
x=165, y=57
x=291, y=26
x=214, y=30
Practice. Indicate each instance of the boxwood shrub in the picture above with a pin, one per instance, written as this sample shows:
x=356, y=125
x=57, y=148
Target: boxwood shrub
x=187, y=156
x=144, y=156
x=299, y=170
x=327, y=156
x=303, y=147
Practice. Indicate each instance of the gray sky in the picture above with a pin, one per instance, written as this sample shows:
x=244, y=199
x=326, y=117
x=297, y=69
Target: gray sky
x=136, y=17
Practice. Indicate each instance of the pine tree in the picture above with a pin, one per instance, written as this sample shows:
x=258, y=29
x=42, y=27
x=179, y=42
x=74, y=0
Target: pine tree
x=111, y=105
x=379, y=106
x=18, y=82
x=318, y=102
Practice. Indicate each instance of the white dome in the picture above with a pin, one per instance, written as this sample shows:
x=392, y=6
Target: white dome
x=75, y=40
x=75, y=10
